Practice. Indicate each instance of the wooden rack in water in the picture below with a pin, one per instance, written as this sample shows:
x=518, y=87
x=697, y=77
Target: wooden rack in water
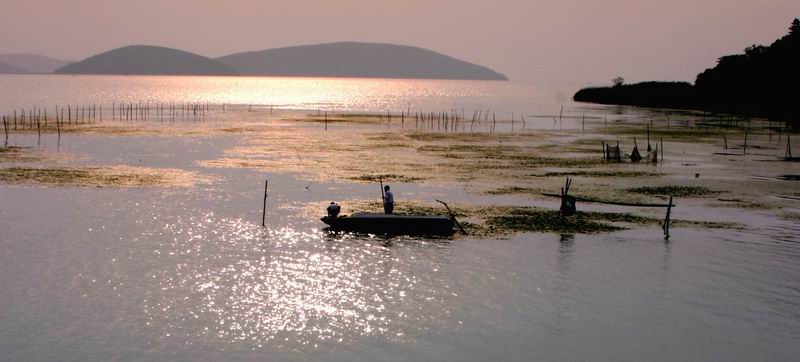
x=566, y=199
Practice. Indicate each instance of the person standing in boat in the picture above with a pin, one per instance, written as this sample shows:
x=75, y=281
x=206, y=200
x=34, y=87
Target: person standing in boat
x=333, y=210
x=388, y=200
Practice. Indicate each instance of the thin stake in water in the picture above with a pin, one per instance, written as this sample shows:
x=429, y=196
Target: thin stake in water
x=264, y=208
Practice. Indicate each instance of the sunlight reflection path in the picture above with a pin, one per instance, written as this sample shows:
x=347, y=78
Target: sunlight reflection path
x=237, y=282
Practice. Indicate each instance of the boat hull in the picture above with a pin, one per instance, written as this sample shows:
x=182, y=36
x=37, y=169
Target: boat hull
x=381, y=224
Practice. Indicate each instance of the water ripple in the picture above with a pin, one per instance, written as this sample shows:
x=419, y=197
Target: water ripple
x=235, y=281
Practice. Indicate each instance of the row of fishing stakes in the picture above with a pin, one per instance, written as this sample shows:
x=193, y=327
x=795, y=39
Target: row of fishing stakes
x=142, y=111
x=725, y=123
x=768, y=126
x=614, y=153
x=124, y=111
x=453, y=120
x=36, y=118
x=480, y=120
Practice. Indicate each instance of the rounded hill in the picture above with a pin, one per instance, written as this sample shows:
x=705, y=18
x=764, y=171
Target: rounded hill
x=6, y=68
x=147, y=60
x=353, y=59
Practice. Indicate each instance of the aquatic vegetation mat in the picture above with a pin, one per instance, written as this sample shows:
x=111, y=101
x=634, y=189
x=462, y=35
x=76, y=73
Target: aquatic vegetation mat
x=676, y=131
x=528, y=162
x=742, y=204
x=590, y=195
x=386, y=178
x=19, y=154
x=488, y=221
x=599, y=173
x=13, y=154
x=525, y=163
x=539, y=220
x=677, y=191
x=117, y=176
x=354, y=152
x=513, y=190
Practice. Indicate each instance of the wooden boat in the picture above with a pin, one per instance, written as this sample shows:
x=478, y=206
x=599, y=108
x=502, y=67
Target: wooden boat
x=392, y=224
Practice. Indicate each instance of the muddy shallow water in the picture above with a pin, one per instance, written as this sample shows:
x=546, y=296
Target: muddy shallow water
x=185, y=271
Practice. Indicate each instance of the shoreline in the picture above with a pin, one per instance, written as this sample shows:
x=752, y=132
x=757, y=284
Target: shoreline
x=677, y=96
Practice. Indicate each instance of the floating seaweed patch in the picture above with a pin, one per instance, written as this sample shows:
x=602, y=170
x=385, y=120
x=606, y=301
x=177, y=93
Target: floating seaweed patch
x=387, y=178
x=677, y=191
x=599, y=173
x=513, y=190
x=116, y=176
x=28, y=154
x=742, y=204
x=17, y=154
x=548, y=221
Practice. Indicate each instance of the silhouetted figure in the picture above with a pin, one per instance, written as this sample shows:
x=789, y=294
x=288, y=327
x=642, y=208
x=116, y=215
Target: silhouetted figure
x=333, y=210
x=388, y=201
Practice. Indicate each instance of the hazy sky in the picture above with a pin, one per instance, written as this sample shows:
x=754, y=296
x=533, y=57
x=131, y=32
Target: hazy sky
x=554, y=41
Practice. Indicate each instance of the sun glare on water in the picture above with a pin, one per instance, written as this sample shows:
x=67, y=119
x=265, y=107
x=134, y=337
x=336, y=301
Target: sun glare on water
x=237, y=282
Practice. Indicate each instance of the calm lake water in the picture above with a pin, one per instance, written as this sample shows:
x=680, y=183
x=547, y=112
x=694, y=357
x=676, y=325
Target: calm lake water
x=189, y=274
x=331, y=94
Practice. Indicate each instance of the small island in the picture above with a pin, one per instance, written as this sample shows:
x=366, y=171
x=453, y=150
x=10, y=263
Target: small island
x=147, y=60
x=760, y=82
x=21, y=63
x=357, y=60
x=6, y=68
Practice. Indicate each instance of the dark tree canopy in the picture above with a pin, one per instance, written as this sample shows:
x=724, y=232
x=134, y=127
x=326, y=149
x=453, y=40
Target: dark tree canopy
x=758, y=81
x=763, y=80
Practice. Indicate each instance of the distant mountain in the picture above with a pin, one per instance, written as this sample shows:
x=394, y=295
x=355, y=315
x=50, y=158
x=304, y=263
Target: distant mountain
x=147, y=60
x=351, y=59
x=33, y=63
x=348, y=59
x=6, y=68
